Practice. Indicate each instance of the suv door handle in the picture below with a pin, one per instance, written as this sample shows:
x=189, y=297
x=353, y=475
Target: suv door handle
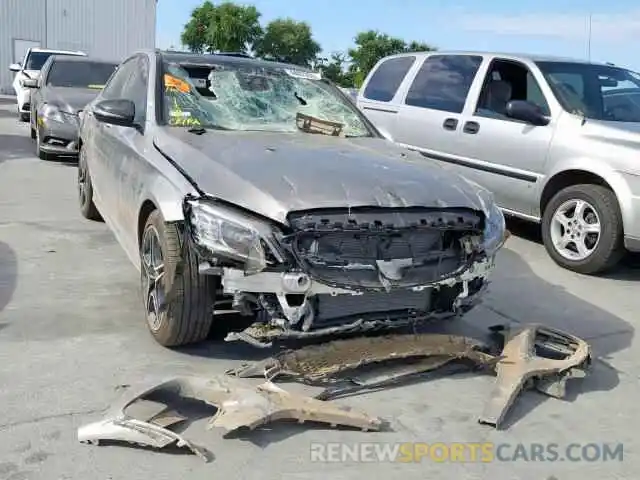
x=471, y=128
x=450, y=124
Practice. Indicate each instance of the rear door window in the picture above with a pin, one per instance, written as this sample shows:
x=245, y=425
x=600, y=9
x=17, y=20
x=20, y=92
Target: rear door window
x=386, y=79
x=443, y=82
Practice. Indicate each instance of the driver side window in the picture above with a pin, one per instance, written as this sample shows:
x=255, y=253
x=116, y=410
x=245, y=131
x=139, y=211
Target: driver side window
x=509, y=80
x=130, y=82
x=113, y=88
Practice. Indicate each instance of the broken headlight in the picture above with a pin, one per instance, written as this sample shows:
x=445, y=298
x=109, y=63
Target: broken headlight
x=494, y=229
x=227, y=235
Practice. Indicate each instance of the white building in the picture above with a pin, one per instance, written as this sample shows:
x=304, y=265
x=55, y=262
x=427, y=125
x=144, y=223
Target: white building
x=109, y=29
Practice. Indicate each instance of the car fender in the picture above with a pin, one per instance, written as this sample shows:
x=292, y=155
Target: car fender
x=603, y=170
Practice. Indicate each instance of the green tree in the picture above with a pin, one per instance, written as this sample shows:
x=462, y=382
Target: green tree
x=333, y=68
x=227, y=27
x=289, y=41
x=194, y=34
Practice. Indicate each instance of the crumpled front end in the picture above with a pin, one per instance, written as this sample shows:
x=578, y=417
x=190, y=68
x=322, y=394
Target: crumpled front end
x=341, y=270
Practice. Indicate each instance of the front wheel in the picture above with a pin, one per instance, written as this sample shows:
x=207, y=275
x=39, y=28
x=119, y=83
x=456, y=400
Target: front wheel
x=582, y=229
x=85, y=190
x=178, y=301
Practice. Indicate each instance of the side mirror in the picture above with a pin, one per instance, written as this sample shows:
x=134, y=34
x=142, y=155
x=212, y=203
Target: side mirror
x=116, y=112
x=30, y=83
x=15, y=67
x=526, y=112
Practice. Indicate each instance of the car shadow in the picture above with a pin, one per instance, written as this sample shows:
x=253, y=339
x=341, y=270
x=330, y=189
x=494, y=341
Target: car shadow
x=8, y=275
x=628, y=269
x=517, y=295
x=15, y=147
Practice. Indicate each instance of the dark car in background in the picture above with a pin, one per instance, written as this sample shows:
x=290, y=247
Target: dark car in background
x=66, y=84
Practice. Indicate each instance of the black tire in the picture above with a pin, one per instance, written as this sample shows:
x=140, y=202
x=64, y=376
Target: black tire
x=88, y=209
x=610, y=247
x=41, y=155
x=188, y=315
x=24, y=117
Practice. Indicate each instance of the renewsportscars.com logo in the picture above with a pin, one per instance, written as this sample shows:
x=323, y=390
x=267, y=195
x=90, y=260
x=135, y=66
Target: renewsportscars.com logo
x=416, y=452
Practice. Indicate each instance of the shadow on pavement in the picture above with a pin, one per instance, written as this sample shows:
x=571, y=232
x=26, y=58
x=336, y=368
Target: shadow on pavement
x=517, y=295
x=16, y=146
x=8, y=275
x=628, y=269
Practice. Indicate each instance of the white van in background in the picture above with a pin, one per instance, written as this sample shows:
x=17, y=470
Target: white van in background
x=34, y=59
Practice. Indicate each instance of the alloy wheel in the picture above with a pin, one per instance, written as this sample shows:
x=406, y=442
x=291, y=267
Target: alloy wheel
x=575, y=229
x=153, y=278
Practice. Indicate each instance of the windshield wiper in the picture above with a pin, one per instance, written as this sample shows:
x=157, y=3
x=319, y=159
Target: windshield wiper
x=300, y=99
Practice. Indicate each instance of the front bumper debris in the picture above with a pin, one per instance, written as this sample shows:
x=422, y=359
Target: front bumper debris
x=137, y=420
x=318, y=364
x=522, y=361
x=533, y=356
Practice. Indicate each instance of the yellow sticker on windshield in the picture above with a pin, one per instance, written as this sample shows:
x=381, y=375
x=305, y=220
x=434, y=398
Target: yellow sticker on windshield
x=173, y=83
x=96, y=87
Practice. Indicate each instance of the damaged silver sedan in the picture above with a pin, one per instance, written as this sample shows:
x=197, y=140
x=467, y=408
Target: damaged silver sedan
x=257, y=187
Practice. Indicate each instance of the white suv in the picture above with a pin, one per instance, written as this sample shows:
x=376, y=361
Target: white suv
x=30, y=67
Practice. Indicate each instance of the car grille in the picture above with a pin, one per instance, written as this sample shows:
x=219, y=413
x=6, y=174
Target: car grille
x=383, y=250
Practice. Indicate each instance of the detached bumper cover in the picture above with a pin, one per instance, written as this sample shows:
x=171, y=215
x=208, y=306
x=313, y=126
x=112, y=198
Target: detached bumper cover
x=239, y=405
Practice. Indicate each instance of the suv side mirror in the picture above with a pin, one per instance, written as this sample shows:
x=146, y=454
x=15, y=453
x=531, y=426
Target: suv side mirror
x=15, y=67
x=30, y=83
x=526, y=112
x=116, y=112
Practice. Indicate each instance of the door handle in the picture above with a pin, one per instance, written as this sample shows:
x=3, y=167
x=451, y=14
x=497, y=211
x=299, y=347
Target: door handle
x=471, y=128
x=450, y=124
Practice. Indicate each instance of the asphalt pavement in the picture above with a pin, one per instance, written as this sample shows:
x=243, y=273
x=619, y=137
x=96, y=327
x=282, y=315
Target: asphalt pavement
x=73, y=339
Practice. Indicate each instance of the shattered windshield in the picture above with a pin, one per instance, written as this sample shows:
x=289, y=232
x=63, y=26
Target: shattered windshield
x=236, y=97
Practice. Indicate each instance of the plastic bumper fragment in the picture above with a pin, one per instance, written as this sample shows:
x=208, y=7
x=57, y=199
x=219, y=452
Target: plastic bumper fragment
x=523, y=360
x=136, y=420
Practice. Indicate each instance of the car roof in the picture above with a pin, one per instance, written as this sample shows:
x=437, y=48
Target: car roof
x=59, y=52
x=82, y=59
x=230, y=58
x=508, y=56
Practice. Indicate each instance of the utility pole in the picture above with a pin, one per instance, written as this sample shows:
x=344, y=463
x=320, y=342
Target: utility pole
x=589, y=37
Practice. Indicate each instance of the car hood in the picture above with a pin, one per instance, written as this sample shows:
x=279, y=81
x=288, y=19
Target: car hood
x=273, y=174
x=69, y=99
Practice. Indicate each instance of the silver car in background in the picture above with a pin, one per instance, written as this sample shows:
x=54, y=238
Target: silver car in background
x=274, y=196
x=65, y=85
x=556, y=141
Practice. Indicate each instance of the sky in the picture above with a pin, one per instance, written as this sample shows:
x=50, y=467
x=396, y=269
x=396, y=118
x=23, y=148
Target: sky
x=557, y=27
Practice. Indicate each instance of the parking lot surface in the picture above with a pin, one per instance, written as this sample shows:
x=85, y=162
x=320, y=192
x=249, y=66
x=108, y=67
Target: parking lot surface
x=72, y=338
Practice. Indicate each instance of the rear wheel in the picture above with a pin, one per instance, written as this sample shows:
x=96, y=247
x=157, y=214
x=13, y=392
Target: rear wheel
x=24, y=117
x=178, y=301
x=582, y=229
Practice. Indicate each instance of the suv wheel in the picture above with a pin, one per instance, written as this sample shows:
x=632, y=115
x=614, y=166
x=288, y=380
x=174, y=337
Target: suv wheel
x=582, y=229
x=182, y=314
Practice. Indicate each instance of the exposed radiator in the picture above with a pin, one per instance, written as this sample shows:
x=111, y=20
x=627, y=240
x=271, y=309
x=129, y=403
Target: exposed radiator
x=332, y=307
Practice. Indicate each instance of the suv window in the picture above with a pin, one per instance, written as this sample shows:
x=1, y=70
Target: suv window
x=508, y=80
x=443, y=82
x=386, y=79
